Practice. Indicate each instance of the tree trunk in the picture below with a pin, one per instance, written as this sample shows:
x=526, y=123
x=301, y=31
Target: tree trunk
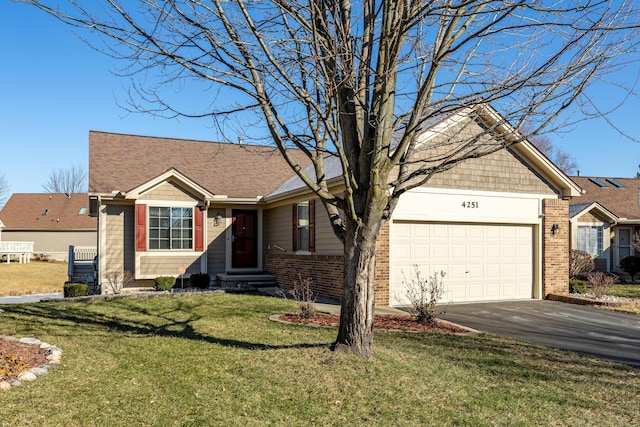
x=355, y=334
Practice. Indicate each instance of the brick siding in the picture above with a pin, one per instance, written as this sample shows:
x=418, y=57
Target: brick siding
x=327, y=272
x=555, y=248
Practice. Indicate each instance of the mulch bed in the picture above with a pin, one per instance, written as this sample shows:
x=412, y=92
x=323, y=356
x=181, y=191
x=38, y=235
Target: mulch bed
x=30, y=354
x=387, y=322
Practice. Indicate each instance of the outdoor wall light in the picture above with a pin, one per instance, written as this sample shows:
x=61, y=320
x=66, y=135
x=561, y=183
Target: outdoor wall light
x=554, y=229
x=217, y=219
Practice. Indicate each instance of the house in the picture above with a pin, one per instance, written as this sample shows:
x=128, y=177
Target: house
x=177, y=207
x=52, y=221
x=606, y=218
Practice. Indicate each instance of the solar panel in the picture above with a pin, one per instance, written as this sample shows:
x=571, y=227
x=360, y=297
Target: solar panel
x=616, y=182
x=598, y=182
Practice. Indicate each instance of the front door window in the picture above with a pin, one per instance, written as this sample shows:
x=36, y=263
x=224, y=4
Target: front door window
x=623, y=237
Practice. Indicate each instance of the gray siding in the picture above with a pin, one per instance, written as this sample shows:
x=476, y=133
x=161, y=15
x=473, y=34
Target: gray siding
x=278, y=231
x=53, y=243
x=120, y=238
x=215, y=242
x=169, y=265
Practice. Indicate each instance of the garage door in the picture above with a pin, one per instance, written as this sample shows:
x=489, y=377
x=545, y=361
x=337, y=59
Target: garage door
x=482, y=262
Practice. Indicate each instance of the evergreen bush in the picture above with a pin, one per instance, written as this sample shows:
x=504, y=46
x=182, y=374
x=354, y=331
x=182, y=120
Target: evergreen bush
x=200, y=280
x=164, y=283
x=72, y=290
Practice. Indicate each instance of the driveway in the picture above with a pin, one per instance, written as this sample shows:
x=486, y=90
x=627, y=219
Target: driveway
x=586, y=330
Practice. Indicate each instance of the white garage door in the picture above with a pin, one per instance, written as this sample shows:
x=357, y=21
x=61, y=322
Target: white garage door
x=482, y=262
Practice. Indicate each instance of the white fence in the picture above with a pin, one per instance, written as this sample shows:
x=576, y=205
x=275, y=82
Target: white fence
x=23, y=250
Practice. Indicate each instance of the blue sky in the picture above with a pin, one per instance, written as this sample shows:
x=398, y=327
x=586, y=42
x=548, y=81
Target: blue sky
x=55, y=88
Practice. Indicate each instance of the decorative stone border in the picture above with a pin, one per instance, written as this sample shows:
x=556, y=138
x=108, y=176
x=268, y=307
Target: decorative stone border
x=54, y=355
x=588, y=301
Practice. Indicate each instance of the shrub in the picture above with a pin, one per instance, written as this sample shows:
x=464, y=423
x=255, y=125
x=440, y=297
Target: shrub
x=164, y=283
x=115, y=281
x=580, y=264
x=600, y=283
x=200, y=280
x=72, y=290
x=424, y=294
x=631, y=265
x=303, y=295
x=577, y=286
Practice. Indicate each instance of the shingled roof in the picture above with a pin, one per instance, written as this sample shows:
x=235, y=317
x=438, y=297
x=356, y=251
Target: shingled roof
x=44, y=211
x=119, y=162
x=619, y=195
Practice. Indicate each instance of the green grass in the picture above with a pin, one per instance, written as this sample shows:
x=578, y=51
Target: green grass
x=625, y=290
x=218, y=360
x=36, y=277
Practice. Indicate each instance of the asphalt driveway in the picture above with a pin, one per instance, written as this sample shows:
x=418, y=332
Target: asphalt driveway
x=586, y=330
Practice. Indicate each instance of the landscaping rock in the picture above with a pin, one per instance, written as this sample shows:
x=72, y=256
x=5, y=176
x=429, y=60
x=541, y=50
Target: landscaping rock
x=27, y=376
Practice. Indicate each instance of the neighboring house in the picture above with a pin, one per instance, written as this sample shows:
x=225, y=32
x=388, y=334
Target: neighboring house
x=52, y=221
x=168, y=206
x=605, y=219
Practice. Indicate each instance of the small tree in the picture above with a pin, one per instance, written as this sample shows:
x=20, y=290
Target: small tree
x=424, y=294
x=631, y=265
x=303, y=295
x=580, y=264
x=600, y=283
x=116, y=280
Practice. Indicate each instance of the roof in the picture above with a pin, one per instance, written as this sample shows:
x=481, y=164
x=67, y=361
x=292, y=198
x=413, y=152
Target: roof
x=44, y=211
x=624, y=202
x=578, y=209
x=120, y=163
x=432, y=127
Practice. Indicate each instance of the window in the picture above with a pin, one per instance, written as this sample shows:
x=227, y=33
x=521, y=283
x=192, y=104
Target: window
x=82, y=211
x=304, y=226
x=590, y=239
x=170, y=228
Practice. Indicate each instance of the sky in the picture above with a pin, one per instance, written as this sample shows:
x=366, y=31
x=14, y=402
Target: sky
x=54, y=89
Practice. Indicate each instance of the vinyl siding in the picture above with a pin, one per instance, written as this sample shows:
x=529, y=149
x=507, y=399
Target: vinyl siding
x=120, y=238
x=53, y=243
x=167, y=191
x=215, y=242
x=278, y=231
x=169, y=265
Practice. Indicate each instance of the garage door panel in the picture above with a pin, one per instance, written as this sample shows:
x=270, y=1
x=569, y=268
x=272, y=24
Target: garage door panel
x=481, y=261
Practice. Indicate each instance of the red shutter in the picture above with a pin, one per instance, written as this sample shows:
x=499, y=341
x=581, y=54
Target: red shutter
x=141, y=228
x=312, y=225
x=199, y=229
x=295, y=227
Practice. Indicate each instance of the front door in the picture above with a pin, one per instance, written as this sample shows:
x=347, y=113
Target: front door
x=244, y=240
x=623, y=244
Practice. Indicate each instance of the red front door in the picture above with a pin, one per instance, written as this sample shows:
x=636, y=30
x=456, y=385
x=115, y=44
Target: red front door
x=244, y=246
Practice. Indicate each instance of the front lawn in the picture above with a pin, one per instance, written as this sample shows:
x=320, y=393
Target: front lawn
x=37, y=277
x=217, y=360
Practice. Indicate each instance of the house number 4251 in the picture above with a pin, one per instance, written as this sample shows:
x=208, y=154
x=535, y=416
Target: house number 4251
x=470, y=205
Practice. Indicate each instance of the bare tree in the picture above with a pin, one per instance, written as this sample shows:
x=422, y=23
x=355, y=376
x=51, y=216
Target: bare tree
x=4, y=189
x=356, y=81
x=71, y=180
x=564, y=160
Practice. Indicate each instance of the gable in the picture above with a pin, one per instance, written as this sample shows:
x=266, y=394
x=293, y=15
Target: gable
x=168, y=191
x=503, y=170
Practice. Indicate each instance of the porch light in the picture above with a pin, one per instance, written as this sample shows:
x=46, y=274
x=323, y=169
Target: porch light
x=555, y=228
x=217, y=219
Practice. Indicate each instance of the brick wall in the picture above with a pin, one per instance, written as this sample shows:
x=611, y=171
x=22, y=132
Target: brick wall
x=381, y=281
x=555, y=248
x=327, y=272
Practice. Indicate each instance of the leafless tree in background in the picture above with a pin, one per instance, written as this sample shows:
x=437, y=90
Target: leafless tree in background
x=4, y=189
x=337, y=79
x=68, y=181
x=562, y=159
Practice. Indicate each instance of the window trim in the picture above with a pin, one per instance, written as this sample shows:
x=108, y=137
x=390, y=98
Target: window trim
x=142, y=234
x=171, y=228
x=599, y=230
x=310, y=227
